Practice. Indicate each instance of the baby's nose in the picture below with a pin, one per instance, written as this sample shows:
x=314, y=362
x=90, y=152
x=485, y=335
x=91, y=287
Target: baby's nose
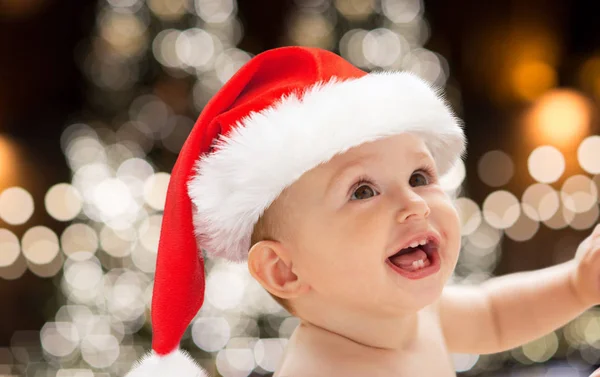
x=414, y=206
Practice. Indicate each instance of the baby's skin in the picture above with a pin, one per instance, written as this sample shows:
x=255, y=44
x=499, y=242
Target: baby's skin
x=366, y=246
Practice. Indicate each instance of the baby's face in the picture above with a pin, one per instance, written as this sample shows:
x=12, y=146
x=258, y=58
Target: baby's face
x=353, y=213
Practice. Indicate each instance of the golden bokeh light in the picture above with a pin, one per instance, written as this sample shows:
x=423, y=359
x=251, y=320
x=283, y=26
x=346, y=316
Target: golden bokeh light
x=124, y=32
x=546, y=164
x=531, y=78
x=311, y=29
x=560, y=118
x=8, y=161
x=355, y=10
x=168, y=10
x=589, y=76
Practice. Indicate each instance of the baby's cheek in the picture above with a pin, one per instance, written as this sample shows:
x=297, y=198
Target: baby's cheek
x=448, y=220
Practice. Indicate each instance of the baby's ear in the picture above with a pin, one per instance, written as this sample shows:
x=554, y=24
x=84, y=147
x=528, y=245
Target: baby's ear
x=269, y=263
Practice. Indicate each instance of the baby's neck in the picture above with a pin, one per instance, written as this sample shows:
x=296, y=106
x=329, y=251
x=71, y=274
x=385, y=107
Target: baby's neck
x=377, y=334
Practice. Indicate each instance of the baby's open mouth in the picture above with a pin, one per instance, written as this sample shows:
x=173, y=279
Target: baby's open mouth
x=416, y=256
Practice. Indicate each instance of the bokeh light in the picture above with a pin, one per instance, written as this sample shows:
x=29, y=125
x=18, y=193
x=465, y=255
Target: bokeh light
x=268, y=353
x=501, y=209
x=495, y=168
x=560, y=118
x=523, y=229
x=579, y=193
x=40, y=245
x=540, y=202
x=16, y=205
x=155, y=190
x=561, y=218
x=588, y=154
x=224, y=288
x=546, y=164
x=464, y=362
x=531, y=79
x=355, y=10
x=542, y=349
x=211, y=334
x=10, y=248
x=469, y=214
x=168, y=10
x=402, y=11
x=79, y=241
x=63, y=202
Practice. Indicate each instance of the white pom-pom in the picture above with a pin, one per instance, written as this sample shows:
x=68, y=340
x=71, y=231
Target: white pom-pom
x=176, y=364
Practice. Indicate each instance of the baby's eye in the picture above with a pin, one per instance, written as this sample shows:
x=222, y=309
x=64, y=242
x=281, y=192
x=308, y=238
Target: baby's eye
x=363, y=192
x=418, y=179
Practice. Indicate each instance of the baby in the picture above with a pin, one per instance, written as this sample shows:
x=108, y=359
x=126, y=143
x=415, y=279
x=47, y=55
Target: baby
x=363, y=263
x=325, y=180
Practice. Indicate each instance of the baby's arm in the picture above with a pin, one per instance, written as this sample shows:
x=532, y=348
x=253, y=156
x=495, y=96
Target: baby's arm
x=509, y=311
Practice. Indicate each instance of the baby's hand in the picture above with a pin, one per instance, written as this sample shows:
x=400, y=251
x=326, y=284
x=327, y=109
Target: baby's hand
x=586, y=277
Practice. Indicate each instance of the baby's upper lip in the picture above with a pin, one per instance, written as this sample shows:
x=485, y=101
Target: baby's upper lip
x=405, y=242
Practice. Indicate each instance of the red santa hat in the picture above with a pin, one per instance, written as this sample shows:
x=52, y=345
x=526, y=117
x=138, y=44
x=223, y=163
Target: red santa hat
x=283, y=113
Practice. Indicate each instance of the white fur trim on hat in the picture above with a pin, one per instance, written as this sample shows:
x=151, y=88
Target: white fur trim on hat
x=176, y=364
x=269, y=150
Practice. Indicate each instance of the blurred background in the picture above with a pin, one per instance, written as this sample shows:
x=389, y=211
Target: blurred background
x=97, y=97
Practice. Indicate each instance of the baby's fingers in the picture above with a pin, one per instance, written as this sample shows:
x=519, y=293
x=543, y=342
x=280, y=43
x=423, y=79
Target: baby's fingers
x=596, y=373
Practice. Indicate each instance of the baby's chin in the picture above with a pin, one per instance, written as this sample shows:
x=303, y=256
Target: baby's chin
x=416, y=295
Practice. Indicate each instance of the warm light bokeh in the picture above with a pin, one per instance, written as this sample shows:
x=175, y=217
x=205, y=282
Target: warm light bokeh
x=530, y=79
x=560, y=118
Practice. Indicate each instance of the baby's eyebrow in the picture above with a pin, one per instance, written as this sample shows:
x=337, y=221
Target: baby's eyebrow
x=354, y=164
x=421, y=155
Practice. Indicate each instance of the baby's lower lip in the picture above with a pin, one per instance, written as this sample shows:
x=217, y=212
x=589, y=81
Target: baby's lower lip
x=431, y=269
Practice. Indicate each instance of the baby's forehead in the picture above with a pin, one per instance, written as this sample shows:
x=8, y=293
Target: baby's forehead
x=403, y=147
x=386, y=153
